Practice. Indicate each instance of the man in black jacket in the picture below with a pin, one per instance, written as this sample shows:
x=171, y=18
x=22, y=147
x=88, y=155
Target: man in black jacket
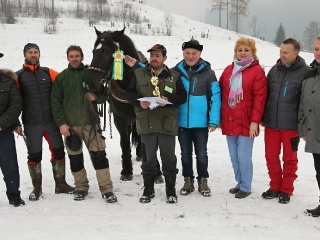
x=10, y=109
x=35, y=84
x=281, y=120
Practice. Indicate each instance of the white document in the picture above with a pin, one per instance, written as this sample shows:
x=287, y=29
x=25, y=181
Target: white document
x=153, y=101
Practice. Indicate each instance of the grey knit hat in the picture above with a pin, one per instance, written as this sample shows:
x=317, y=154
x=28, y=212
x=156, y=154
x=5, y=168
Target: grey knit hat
x=29, y=46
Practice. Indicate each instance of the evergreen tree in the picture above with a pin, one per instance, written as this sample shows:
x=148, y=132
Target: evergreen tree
x=280, y=35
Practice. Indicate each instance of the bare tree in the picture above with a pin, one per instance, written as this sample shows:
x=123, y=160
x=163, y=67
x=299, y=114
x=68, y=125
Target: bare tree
x=218, y=5
x=169, y=21
x=256, y=26
x=238, y=8
x=310, y=34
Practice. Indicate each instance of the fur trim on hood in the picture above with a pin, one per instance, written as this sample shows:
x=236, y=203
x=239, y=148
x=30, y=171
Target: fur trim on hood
x=10, y=74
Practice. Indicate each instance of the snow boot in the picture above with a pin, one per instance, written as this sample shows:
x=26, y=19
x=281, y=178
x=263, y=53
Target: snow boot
x=284, y=198
x=17, y=203
x=148, y=192
x=188, y=186
x=59, y=170
x=270, y=194
x=203, y=187
x=80, y=195
x=110, y=197
x=36, y=178
x=171, y=188
x=313, y=212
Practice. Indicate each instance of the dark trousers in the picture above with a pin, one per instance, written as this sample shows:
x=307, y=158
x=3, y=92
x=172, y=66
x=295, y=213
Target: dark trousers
x=36, y=133
x=9, y=165
x=316, y=158
x=199, y=138
x=166, y=145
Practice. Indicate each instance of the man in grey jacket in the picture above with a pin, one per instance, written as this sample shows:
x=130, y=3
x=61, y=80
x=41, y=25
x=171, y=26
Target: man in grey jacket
x=309, y=116
x=281, y=120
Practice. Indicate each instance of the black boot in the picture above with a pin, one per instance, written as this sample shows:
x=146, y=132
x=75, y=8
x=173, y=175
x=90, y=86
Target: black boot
x=148, y=192
x=313, y=212
x=171, y=188
x=59, y=171
x=36, y=177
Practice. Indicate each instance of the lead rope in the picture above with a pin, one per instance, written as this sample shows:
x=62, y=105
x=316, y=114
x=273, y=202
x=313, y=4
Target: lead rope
x=110, y=125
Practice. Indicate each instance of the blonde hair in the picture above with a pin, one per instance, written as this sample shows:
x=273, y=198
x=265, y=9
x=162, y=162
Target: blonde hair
x=247, y=42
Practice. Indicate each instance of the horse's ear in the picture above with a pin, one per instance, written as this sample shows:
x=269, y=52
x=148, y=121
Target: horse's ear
x=122, y=31
x=97, y=31
x=117, y=35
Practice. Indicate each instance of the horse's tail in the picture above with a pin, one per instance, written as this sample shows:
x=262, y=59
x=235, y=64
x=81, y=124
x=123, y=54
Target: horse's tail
x=135, y=138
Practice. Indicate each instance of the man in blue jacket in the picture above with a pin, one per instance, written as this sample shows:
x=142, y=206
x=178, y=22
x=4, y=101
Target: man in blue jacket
x=198, y=116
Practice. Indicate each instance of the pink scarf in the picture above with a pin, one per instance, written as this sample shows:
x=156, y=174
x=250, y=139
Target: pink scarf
x=236, y=91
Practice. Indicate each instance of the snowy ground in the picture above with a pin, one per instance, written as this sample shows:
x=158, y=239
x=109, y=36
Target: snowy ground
x=220, y=216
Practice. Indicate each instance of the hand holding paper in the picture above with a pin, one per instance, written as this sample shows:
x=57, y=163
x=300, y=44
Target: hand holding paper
x=154, y=101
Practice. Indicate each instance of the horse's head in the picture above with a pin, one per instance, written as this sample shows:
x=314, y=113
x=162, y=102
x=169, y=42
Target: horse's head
x=102, y=61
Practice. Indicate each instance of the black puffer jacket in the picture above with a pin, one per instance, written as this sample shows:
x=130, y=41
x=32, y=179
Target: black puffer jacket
x=284, y=89
x=35, y=88
x=10, y=100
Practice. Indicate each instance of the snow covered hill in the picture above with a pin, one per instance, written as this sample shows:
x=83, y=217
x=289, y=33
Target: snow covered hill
x=220, y=216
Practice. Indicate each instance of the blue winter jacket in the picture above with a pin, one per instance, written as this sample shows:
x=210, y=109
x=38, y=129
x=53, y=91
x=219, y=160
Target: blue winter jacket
x=202, y=108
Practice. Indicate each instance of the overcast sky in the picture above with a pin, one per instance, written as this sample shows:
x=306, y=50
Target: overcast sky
x=294, y=14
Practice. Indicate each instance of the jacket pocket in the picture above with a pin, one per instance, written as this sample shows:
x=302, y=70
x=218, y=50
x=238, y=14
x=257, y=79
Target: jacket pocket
x=169, y=124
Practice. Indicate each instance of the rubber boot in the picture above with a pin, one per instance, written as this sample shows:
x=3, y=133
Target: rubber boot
x=59, y=175
x=36, y=178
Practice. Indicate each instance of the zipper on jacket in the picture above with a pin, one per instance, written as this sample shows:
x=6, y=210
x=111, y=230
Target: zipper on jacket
x=285, y=89
x=194, y=84
x=40, y=93
x=282, y=81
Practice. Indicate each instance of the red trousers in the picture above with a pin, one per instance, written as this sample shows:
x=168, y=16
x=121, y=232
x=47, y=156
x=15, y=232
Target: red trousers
x=282, y=175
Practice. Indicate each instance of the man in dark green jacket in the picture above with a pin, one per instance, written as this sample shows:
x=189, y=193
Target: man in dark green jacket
x=157, y=125
x=71, y=111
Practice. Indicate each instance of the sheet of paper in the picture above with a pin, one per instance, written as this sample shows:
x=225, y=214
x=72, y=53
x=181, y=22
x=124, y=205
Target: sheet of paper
x=153, y=101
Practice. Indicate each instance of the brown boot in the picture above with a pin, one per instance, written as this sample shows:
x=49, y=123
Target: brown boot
x=36, y=177
x=59, y=170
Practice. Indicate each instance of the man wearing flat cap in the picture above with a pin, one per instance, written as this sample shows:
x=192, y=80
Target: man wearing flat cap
x=199, y=115
x=10, y=109
x=157, y=126
x=35, y=84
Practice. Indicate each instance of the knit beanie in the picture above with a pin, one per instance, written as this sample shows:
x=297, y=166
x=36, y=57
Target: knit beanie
x=29, y=46
x=1, y=55
x=192, y=44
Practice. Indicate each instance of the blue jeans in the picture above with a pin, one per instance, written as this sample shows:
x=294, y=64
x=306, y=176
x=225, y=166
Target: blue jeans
x=9, y=165
x=199, y=138
x=240, y=150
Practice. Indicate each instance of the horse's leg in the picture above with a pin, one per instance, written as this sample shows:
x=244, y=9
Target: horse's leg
x=124, y=131
x=136, y=140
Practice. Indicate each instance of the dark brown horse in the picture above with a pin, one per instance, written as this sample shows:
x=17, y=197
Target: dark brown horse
x=99, y=74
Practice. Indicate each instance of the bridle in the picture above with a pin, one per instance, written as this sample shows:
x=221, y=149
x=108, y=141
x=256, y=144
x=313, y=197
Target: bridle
x=106, y=78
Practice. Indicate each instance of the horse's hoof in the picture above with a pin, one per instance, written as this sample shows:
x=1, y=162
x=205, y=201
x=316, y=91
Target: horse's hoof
x=158, y=179
x=138, y=158
x=126, y=177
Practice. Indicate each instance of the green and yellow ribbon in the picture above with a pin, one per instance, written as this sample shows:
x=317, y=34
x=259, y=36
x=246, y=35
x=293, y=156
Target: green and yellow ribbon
x=117, y=70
